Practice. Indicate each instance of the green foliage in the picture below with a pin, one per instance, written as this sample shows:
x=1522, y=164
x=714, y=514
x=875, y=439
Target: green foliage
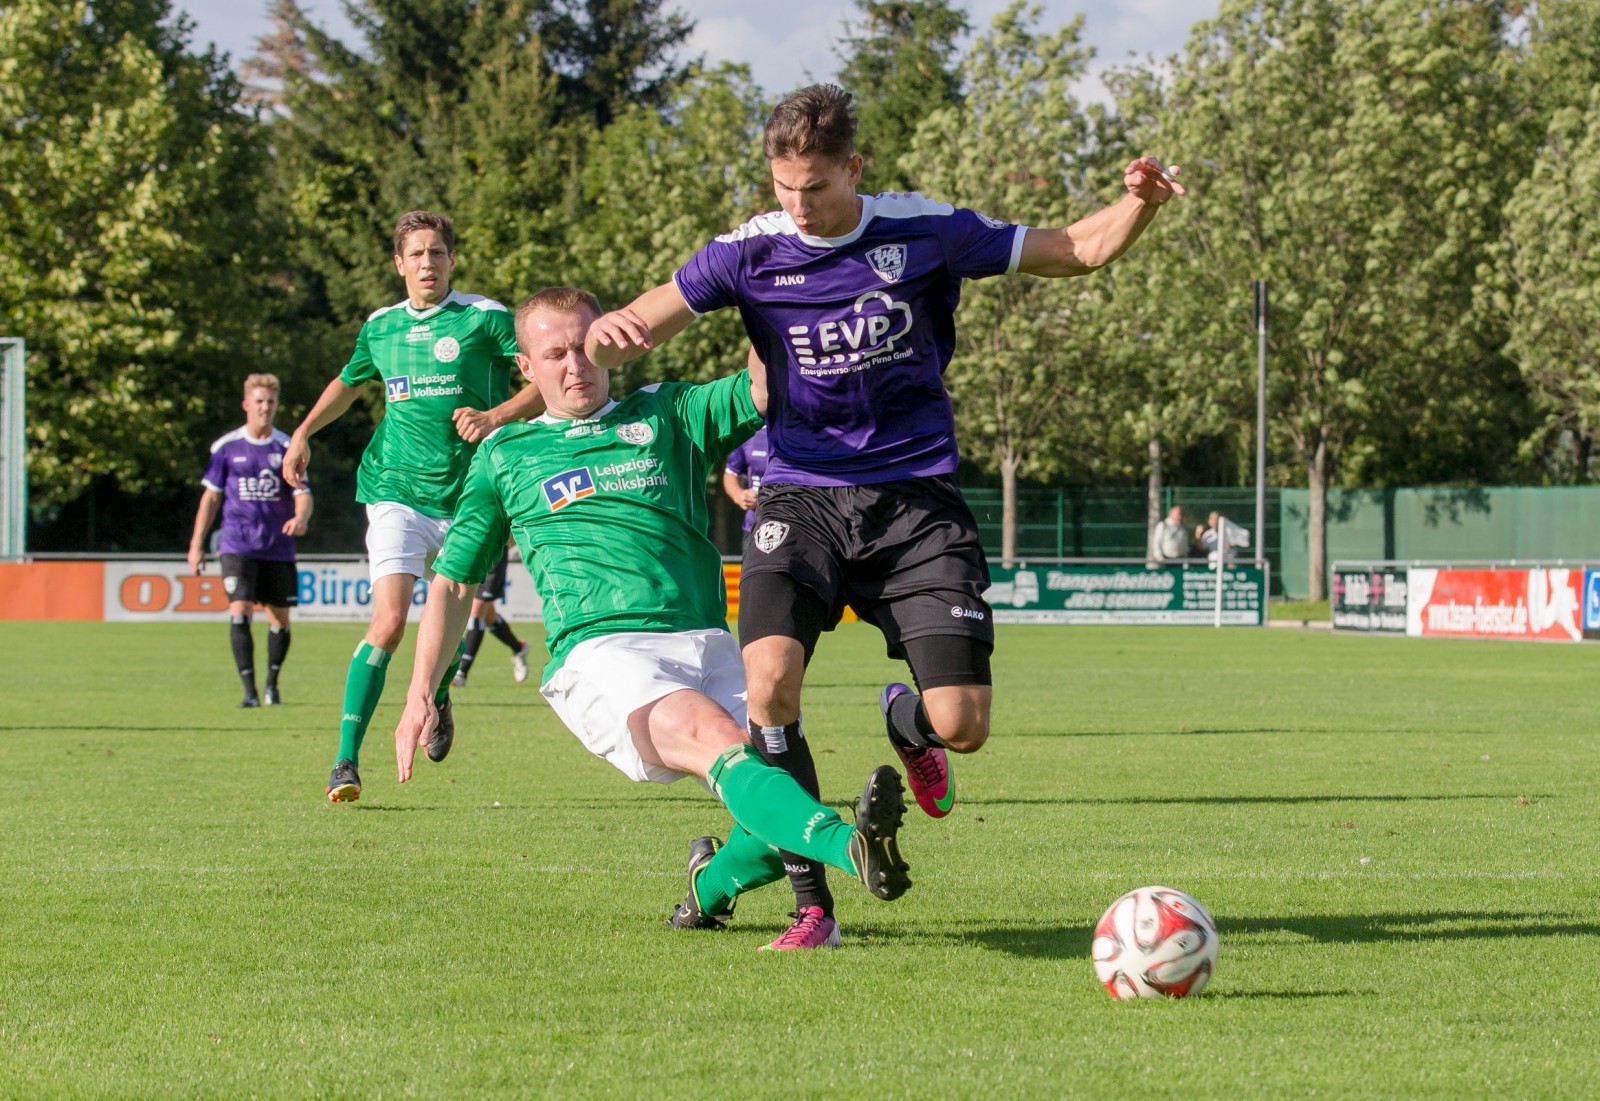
x=130, y=250
x=1550, y=267
x=657, y=185
x=900, y=62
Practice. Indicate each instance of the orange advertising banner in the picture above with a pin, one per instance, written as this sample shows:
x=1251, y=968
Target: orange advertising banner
x=52, y=590
x=1510, y=604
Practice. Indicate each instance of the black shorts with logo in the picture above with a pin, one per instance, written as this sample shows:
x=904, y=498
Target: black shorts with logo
x=494, y=586
x=905, y=555
x=260, y=580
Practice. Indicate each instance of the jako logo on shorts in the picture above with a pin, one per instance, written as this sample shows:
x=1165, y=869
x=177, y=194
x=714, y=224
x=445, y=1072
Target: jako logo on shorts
x=568, y=486
x=398, y=387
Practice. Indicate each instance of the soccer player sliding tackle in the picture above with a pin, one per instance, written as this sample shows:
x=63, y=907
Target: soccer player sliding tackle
x=606, y=500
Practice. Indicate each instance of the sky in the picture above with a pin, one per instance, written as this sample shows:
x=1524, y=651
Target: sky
x=788, y=43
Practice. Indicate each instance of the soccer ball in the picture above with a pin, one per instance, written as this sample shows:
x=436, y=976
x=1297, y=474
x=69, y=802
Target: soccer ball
x=1155, y=943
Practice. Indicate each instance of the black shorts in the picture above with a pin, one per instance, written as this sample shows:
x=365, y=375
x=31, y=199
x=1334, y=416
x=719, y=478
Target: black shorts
x=260, y=580
x=494, y=586
x=905, y=555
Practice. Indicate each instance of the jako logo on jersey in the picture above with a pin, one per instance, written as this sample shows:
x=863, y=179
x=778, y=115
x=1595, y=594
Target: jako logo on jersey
x=568, y=486
x=889, y=261
x=967, y=613
x=878, y=323
x=398, y=388
x=446, y=349
x=788, y=280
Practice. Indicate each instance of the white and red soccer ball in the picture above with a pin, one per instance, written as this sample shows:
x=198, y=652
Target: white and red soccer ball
x=1155, y=942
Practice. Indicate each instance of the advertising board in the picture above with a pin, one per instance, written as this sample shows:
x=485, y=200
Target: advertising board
x=1545, y=604
x=1165, y=595
x=1370, y=599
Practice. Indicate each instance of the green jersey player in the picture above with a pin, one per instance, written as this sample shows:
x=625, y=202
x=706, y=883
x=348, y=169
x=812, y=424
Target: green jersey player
x=606, y=500
x=444, y=359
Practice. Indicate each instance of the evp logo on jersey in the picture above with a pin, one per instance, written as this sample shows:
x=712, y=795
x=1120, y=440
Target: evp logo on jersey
x=398, y=387
x=568, y=486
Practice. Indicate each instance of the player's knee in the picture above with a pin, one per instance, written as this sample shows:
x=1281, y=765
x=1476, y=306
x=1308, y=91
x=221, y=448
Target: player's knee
x=966, y=738
x=772, y=682
x=386, y=631
x=961, y=720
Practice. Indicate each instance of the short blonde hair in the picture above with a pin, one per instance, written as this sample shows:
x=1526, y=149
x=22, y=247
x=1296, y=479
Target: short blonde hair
x=557, y=300
x=260, y=382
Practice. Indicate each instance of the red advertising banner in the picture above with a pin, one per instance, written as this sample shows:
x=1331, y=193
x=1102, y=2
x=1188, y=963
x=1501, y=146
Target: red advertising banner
x=1508, y=604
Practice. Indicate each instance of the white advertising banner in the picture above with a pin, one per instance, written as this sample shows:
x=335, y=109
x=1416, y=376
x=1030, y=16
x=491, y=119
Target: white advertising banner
x=330, y=590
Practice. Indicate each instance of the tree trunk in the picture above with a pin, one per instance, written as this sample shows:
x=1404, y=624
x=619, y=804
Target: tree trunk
x=1152, y=504
x=1317, y=476
x=1008, y=508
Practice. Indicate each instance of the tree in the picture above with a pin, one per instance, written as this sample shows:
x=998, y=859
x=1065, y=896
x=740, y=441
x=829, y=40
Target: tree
x=657, y=185
x=1027, y=385
x=900, y=63
x=1357, y=154
x=130, y=238
x=609, y=54
x=1550, y=286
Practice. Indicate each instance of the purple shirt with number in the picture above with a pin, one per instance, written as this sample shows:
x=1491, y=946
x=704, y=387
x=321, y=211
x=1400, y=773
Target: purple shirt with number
x=256, y=501
x=856, y=331
x=749, y=461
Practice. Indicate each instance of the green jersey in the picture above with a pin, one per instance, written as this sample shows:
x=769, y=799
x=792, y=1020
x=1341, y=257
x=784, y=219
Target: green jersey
x=609, y=511
x=432, y=362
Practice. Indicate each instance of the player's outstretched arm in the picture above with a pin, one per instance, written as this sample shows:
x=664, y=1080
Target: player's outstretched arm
x=210, y=503
x=1093, y=242
x=335, y=399
x=443, y=621
x=649, y=321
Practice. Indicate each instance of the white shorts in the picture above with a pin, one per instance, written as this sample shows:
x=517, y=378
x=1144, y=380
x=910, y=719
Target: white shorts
x=402, y=540
x=604, y=680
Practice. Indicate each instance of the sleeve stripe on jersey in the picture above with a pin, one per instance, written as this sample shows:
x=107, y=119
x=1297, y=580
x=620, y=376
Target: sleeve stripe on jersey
x=212, y=488
x=478, y=301
x=685, y=293
x=1016, y=250
x=776, y=223
x=226, y=438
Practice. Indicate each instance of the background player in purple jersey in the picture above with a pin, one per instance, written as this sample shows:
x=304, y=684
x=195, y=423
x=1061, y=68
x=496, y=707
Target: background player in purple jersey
x=262, y=515
x=741, y=479
x=850, y=301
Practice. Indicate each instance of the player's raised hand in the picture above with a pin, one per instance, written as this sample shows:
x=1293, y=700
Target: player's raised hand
x=416, y=724
x=1152, y=181
x=296, y=457
x=472, y=424
x=621, y=329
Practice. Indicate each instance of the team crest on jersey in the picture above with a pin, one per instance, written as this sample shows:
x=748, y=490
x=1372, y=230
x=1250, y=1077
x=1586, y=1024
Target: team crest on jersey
x=636, y=433
x=398, y=388
x=769, y=536
x=889, y=261
x=446, y=349
x=568, y=486
x=275, y=460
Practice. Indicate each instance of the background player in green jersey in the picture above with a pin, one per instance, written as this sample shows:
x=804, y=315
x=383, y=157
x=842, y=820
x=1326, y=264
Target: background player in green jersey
x=607, y=502
x=444, y=359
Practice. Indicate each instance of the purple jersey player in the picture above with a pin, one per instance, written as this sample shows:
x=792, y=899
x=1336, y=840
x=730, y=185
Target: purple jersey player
x=849, y=301
x=261, y=518
x=747, y=467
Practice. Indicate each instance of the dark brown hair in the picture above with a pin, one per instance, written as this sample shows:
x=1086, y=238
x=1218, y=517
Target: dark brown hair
x=816, y=119
x=413, y=220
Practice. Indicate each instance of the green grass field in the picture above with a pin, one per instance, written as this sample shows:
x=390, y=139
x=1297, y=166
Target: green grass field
x=1398, y=839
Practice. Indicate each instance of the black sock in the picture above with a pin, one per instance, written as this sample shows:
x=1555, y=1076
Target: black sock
x=277, y=650
x=908, y=722
x=502, y=631
x=244, y=651
x=786, y=747
x=469, y=652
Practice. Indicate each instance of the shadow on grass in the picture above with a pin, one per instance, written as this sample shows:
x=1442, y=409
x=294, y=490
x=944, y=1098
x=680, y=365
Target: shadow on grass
x=120, y=728
x=1423, y=925
x=1227, y=800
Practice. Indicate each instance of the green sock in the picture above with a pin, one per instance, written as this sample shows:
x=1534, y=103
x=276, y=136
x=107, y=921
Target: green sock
x=442, y=693
x=743, y=864
x=769, y=803
x=363, y=684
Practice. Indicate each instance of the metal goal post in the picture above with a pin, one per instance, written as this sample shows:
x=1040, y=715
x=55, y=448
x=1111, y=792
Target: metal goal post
x=13, y=448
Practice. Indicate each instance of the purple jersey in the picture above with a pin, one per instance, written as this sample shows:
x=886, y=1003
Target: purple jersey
x=749, y=462
x=856, y=331
x=256, y=501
